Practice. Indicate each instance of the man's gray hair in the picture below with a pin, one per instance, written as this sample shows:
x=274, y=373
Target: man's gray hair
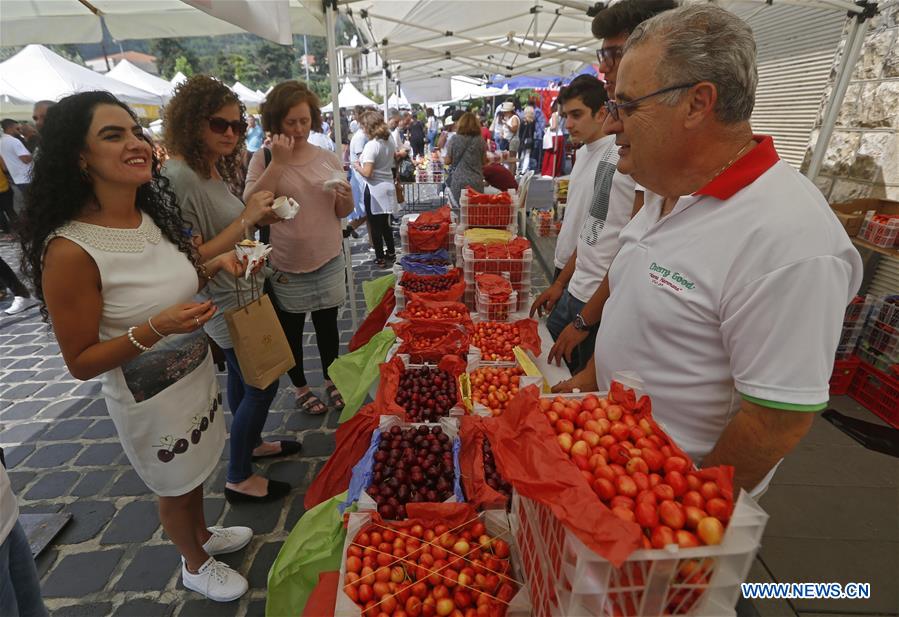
x=702, y=42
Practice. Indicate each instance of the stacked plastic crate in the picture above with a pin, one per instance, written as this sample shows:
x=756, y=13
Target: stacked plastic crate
x=880, y=229
x=876, y=383
x=481, y=216
x=846, y=362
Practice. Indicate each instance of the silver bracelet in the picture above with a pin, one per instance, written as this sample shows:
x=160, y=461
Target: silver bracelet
x=153, y=328
x=134, y=341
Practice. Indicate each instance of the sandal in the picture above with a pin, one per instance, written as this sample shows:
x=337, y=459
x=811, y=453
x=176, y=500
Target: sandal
x=334, y=396
x=381, y=263
x=311, y=404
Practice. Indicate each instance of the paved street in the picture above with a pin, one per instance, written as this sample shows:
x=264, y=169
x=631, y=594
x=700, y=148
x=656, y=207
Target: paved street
x=834, y=506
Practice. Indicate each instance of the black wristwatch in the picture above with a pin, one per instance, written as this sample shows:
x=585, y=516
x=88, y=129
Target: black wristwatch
x=579, y=323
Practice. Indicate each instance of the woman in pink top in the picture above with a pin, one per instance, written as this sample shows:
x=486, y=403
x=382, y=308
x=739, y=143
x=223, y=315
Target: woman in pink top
x=307, y=251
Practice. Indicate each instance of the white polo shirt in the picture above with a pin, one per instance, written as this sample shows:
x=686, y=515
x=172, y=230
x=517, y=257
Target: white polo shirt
x=738, y=292
x=580, y=195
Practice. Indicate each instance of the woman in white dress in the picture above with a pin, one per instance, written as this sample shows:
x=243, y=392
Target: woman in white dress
x=104, y=246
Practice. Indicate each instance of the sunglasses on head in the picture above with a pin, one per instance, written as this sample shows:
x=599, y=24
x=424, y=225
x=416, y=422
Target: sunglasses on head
x=220, y=125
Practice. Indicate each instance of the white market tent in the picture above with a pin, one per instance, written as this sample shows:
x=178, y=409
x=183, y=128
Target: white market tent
x=246, y=95
x=74, y=21
x=128, y=73
x=798, y=40
x=178, y=79
x=349, y=96
x=36, y=74
x=398, y=102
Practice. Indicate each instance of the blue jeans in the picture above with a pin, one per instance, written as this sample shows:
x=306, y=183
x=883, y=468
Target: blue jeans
x=249, y=409
x=563, y=313
x=432, y=138
x=20, y=588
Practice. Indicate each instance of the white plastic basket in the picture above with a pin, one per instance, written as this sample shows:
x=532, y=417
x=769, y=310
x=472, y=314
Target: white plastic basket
x=498, y=526
x=651, y=582
x=487, y=216
x=491, y=310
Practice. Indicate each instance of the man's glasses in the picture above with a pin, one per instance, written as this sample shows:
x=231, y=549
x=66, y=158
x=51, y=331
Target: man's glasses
x=609, y=55
x=220, y=125
x=614, y=107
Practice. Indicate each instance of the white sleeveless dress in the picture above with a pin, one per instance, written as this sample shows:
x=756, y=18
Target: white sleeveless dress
x=164, y=402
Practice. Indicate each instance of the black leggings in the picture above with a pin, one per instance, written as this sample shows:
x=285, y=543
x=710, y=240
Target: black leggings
x=9, y=279
x=327, y=338
x=380, y=229
x=7, y=213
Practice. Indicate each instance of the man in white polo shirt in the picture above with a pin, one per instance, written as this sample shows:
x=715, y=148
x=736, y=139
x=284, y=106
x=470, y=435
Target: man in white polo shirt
x=728, y=292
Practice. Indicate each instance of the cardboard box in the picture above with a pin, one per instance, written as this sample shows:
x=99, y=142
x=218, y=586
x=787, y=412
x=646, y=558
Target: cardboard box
x=852, y=213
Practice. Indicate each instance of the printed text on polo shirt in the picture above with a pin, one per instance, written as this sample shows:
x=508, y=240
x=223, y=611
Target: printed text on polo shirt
x=676, y=277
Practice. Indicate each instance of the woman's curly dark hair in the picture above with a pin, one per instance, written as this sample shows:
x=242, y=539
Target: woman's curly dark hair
x=196, y=100
x=59, y=192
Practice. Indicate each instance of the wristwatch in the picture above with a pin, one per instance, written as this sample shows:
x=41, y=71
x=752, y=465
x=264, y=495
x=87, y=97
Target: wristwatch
x=579, y=323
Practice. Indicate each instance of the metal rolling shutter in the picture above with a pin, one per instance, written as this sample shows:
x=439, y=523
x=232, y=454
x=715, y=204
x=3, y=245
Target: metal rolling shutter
x=886, y=278
x=796, y=47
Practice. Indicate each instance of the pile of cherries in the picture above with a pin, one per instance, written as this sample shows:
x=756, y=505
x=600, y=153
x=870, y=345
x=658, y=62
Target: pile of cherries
x=429, y=283
x=426, y=393
x=412, y=465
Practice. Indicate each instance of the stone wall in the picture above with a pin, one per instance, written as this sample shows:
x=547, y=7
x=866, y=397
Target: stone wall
x=862, y=159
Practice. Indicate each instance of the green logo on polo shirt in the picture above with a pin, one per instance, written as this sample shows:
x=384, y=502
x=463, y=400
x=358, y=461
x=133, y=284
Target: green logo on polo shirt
x=665, y=277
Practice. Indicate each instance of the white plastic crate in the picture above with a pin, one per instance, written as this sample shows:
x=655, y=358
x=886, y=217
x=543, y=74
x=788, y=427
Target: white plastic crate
x=880, y=234
x=498, y=526
x=449, y=245
x=648, y=583
x=518, y=269
x=544, y=223
x=490, y=310
x=882, y=338
x=488, y=216
x=888, y=311
x=850, y=334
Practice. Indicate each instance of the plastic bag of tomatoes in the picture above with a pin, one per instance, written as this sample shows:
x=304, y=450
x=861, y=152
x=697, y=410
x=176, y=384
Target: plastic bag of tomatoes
x=447, y=558
x=427, y=341
x=438, y=311
x=497, y=339
x=475, y=197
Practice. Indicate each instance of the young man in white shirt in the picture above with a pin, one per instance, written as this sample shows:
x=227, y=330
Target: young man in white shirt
x=17, y=159
x=728, y=292
x=612, y=25
x=596, y=195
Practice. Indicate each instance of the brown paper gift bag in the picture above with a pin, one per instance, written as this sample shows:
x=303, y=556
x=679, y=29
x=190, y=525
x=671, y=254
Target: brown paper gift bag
x=259, y=343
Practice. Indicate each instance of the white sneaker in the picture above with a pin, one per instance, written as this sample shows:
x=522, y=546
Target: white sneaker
x=19, y=304
x=227, y=539
x=215, y=580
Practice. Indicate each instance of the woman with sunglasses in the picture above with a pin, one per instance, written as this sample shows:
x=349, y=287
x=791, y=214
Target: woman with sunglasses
x=103, y=245
x=204, y=133
x=307, y=251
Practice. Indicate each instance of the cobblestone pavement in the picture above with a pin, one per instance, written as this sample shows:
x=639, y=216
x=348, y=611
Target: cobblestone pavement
x=63, y=454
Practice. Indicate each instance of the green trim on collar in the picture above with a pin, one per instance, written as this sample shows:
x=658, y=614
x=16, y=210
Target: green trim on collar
x=784, y=406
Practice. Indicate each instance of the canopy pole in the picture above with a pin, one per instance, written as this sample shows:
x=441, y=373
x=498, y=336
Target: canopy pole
x=386, y=96
x=853, y=49
x=333, y=73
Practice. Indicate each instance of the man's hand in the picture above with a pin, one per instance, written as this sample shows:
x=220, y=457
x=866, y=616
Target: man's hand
x=570, y=338
x=546, y=301
x=585, y=381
